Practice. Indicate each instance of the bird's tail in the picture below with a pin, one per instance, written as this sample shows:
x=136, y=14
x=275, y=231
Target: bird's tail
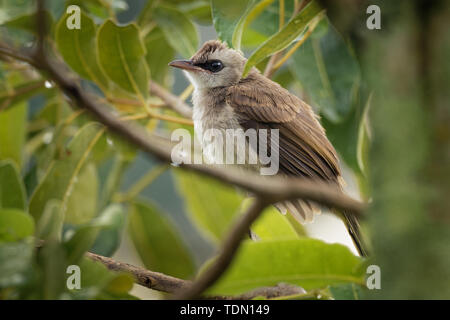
x=352, y=224
x=304, y=212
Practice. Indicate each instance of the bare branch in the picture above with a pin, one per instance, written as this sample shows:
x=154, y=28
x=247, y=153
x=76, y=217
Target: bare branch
x=150, y=279
x=227, y=252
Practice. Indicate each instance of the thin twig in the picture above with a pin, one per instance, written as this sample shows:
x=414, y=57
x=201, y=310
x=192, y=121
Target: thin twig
x=226, y=254
x=186, y=92
x=142, y=183
x=171, y=100
x=281, y=15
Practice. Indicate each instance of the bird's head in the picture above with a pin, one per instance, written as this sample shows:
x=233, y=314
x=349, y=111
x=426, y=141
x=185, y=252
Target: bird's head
x=214, y=65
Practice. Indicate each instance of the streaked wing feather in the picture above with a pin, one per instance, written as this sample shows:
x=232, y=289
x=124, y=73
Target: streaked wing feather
x=303, y=146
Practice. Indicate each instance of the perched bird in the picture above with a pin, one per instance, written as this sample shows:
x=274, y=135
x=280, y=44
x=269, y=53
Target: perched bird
x=222, y=100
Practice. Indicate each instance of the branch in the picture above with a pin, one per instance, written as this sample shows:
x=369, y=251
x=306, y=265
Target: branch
x=171, y=100
x=274, y=189
x=267, y=191
x=164, y=283
x=150, y=279
x=227, y=252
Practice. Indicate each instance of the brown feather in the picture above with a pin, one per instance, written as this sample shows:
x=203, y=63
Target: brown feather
x=303, y=146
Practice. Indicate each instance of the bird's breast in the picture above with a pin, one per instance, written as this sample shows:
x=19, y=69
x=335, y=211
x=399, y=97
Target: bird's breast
x=216, y=126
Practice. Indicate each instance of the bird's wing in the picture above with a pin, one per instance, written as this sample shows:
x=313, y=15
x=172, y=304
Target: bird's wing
x=304, y=149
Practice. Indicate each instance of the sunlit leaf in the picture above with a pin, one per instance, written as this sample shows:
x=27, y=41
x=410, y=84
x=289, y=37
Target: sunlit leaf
x=285, y=36
x=158, y=242
x=308, y=263
x=62, y=174
x=79, y=49
x=179, y=31
x=211, y=205
x=272, y=225
x=12, y=190
x=122, y=57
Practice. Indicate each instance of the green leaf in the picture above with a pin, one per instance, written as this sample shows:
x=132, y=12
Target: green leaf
x=15, y=260
x=51, y=261
x=145, y=16
x=15, y=225
x=272, y=225
x=285, y=36
x=229, y=16
x=14, y=8
x=79, y=50
x=99, y=8
x=82, y=201
x=49, y=226
x=253, y=10
x=122, y=57
x=21, y=92
x=12, y=190
x=179, y=31
x=344, y=137
x=85, y=235
x=159, y=54
x=349, y=291
x=364, y=138
x=62, y=173
x=158, y=242
x=308, y=263
x=108, y=240
x=97, y=282
x=12, y=132
x=328, y=72
x=28, y=23
x=199, y=11
x=267, y=23
x=211, y=205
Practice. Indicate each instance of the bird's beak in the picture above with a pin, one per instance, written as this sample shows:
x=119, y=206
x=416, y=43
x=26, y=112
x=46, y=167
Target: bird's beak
x=184, y=64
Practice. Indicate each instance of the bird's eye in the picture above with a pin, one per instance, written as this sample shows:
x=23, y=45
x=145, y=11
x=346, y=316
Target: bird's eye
x=212, y=65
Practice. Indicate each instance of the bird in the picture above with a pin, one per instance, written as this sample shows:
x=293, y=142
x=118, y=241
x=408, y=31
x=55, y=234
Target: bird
x=222, y=99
